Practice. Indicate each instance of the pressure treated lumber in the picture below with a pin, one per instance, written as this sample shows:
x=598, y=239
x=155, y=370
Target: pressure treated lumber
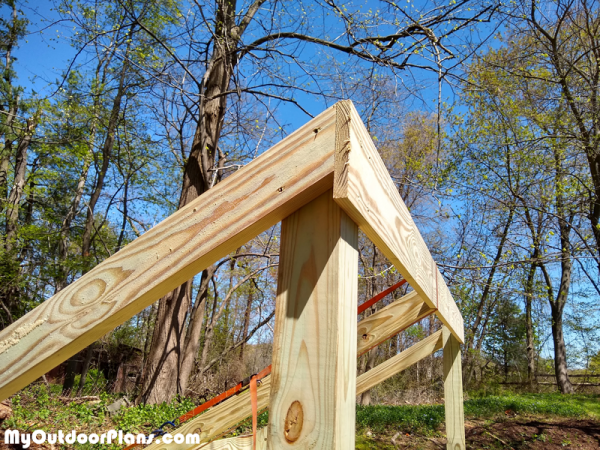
x=364, y=189
x=292, y=173
x=453, y=393
x=378, y=324
x=399, y=362
x=220, y=418
x=274, y=185
x=391, y=320
x=238, y=442
x=313, y=391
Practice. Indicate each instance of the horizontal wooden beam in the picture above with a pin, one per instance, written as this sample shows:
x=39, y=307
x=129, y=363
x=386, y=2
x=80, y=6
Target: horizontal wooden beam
x=399, y=362
x=239, y=442
x=258, y=196
x=391, y=320
x=365, y=190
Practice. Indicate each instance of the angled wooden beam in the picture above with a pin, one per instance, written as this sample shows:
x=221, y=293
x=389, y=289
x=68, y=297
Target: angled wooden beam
x=453, y=393
x=399, y=362
x=365, y=190
x=286, y=177
x=314, y=352
x=391, y=320
x=238, y=442
x=256, y=197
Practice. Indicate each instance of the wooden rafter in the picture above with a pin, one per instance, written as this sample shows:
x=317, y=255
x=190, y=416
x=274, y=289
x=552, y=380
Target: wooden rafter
x=365, y=190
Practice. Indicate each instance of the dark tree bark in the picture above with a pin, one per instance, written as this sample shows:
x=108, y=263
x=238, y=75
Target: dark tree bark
x=9, y=292
x=558, y=300
x=84, y=370
x=470, y=335
x=69, y=380
x=16, y=193
x=529, y=322
x=107, y=147
x=246, y=326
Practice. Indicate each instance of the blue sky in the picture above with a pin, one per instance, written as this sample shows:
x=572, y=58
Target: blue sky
x=46, y=52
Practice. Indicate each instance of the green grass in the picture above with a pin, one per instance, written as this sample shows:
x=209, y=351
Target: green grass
x=572, y=406
x=35, y=407
x=427, y=418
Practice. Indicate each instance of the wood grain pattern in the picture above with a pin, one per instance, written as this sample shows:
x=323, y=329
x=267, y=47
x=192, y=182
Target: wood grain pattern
x=313, y=390
x=276, y=184
x=453, y=393
x=399, y=362
x=220, y=418
x=391, y=320
x=364, y=189
x=224, y=416
x=238, y=442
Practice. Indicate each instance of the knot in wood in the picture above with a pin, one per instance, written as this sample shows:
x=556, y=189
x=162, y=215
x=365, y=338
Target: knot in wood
x=293, y=422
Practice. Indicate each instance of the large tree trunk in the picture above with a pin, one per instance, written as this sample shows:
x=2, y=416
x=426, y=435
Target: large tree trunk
x=558, y=302
x=16, y=193
x=529, y=322
x=65, y=230
x=560, y=353
x=10, y=40
x=165, y=375
x=6, y=151
x=84, y=370
x=194, y=331
x=557, y=307
x=69, y=380
x=9, y=292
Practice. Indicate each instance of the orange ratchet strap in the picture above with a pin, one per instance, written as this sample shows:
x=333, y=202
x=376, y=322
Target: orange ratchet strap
x=379, y=296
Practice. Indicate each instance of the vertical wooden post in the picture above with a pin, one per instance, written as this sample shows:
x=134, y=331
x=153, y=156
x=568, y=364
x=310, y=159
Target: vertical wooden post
x=313, y=390
x=453, y=392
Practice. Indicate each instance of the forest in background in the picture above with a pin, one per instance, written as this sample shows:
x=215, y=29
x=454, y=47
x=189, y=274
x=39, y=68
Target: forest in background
x=485, y=113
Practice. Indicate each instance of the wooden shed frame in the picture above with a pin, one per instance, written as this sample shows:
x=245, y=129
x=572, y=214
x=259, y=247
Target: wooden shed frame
x=323, y=182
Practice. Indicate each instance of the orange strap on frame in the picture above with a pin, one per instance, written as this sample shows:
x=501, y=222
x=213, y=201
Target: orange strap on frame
x=379, y=296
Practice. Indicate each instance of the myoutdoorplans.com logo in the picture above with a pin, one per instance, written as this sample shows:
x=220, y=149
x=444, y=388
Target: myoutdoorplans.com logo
x=110, y=437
